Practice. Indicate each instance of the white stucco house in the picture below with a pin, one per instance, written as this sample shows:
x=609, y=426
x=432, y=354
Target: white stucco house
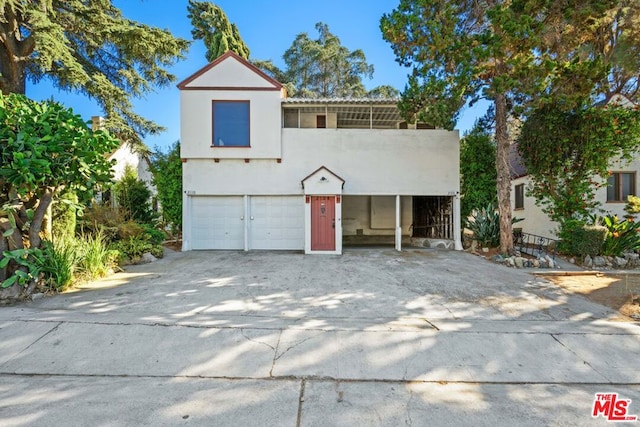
x=264, y=171
x=124, y=156
x=622, y=182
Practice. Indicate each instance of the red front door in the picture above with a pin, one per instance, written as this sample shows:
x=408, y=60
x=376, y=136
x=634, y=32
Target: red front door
x=323, y=223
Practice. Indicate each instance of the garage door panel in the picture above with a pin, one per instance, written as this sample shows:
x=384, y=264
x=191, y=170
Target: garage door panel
x=217, y=222
x=278, y=222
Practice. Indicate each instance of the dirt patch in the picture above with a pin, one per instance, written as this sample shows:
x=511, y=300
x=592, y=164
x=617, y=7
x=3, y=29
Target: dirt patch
x=619, y=292
x=174, y=245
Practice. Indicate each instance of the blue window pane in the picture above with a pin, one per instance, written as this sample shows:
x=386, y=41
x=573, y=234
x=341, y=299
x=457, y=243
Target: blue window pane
x=230, y=124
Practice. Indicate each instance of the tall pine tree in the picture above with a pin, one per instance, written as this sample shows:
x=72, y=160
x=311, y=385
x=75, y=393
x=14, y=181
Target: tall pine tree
x=89, y=47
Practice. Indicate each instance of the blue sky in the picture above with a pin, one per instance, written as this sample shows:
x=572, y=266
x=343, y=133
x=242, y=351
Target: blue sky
x=268, y=28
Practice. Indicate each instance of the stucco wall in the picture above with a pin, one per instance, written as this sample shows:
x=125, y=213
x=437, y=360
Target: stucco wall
x=196, y=129
x=372, y=162
x=375, y=216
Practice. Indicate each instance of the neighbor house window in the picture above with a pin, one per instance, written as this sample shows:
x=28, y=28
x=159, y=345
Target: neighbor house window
x=620, y=185
x=519, y=196
x=321, y=121
x=231, y=124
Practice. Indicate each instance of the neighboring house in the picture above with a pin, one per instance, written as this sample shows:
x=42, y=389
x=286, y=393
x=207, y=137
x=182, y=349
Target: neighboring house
x=263, y=171
x=622, y=182
x=125, y=156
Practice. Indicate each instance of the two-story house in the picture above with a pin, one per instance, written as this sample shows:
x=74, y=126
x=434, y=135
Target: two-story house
x=264, y=171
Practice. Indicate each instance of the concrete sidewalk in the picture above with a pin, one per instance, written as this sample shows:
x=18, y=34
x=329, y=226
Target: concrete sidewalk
x=373, y=337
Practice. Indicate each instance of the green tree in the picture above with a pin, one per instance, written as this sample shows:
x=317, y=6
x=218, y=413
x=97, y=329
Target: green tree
x=167, y=177
x=511, y=52
x=477, y=170
x=134, y=197
x=566, y=151
x=323, y=67
x=211, y=25
x=87, y=47
x=44, y=149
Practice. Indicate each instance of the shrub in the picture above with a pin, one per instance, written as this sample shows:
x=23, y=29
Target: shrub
x=132, y=248
x=485, y=225
x=101, y=217
x=621, y=236
x=580, y=239
x=97, y=260
x=63, y=224
x=59, y=262
x=156, y=237
x=134, y=198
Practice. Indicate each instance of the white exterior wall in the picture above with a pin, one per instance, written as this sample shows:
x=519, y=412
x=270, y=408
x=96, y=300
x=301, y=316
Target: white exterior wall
x=372, y=162
x=535, y=221
x=196, y=129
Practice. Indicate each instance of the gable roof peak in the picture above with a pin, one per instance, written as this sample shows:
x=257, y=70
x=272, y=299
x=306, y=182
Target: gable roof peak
x=230, y=55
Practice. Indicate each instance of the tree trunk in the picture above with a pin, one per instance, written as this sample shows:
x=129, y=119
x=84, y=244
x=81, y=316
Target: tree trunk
x=38, y=218
x=504, y=175
x=14, y=51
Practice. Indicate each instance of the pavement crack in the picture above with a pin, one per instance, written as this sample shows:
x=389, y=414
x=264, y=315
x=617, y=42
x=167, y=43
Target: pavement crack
x=291, y=347
x=409, y=420
x=300, y=402
x=36, y=341
x=275, y=354
x=576, y=354
x=258, y=342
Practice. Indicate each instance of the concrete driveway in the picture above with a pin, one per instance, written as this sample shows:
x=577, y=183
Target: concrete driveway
x=373, y=337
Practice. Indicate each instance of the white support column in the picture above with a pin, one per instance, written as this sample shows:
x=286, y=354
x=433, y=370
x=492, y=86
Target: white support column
x=398, y=225
x=457, y=231
x=245, y=219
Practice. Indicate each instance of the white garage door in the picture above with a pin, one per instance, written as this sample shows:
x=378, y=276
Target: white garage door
x=277, y=222
x=217, y=222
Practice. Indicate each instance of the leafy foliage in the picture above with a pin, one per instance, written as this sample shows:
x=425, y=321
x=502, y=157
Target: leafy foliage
x=59, y=262
x=211, y=25
x=44, y=150
x=622, y=235
x=633, y=205
x=87, y=47
x=27, y=264
x=580, y=239
x=323, y=67
x=564, y=150
x=485, y=225
x=518, y=54
x=96, y=258
x=134, y=197
x=477, y=170
x=167, y=177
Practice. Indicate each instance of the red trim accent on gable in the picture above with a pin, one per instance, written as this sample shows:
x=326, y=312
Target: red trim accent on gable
x=279, y=160
x=317, y=170
x=183, y=160
x=247, y=160
x=182, y=85
x=232, y=88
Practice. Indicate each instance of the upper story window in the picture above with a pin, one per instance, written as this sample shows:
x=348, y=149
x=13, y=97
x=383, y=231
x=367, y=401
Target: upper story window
x=620, y=185
x=230, y=124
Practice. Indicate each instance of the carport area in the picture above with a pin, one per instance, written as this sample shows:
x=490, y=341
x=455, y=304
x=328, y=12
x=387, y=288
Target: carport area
x=418, y=221
x=372, y=337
